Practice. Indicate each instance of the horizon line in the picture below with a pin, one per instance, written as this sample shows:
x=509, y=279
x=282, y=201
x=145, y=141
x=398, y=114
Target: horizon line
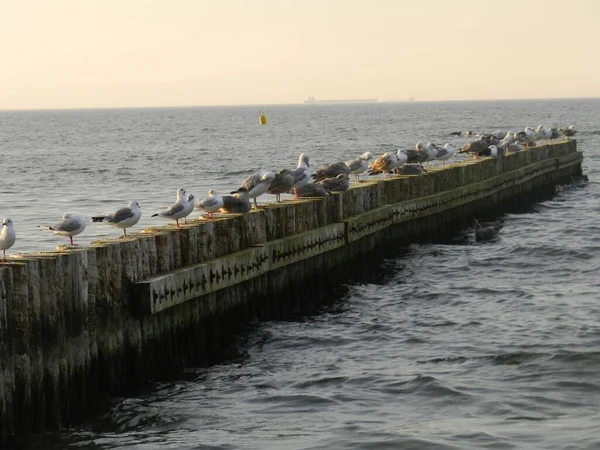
x=88, y=108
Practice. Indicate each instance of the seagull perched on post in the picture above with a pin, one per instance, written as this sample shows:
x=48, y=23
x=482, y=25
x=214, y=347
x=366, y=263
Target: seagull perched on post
x=210, y=204
x=70, y=225
x=445, y=153
x=178, y=210
x=358, y=165
x=330, y=170
x=238, y=203
x=383, y=164
x=122, y=218
x=256, y=185
x=281, y=184
x=301, y=173
x=7, y=236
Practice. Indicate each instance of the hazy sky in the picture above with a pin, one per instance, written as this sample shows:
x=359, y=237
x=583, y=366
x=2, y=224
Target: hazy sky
x=97, y=53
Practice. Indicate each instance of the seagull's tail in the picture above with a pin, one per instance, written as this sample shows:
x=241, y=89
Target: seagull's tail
x=98, y=218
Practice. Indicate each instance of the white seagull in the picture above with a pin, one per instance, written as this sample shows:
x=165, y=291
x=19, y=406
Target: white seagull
x=430, y=149
x=445, y=153
x=256, y=185
x=7, y=236
x=401, y=158
x=301, y=173
x=123, y=217
x=210, y=204
x=70, y=225
x=177, y=210
x=358, y=165
x=530, y=132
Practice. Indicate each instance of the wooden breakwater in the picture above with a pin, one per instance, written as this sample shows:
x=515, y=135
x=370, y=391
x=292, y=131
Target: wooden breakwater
x=79, y=324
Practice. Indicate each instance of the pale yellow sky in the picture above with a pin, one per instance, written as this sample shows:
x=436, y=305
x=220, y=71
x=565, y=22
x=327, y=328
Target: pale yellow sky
x=103, y=53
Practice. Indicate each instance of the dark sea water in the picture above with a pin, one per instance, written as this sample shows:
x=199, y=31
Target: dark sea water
x=454, y=345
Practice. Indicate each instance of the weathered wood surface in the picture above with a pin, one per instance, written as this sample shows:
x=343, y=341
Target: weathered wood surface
x=76, y=324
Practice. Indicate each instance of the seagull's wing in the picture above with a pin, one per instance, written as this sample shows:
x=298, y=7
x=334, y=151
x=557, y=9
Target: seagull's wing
x=299, y=174
x=442, y=152
x=66, y=226
x=354, y=164
x=250, y=182
x=120, y=215
x=175, y=208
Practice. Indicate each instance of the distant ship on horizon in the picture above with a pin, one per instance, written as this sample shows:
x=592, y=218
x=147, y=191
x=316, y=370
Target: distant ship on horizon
x=312, y=100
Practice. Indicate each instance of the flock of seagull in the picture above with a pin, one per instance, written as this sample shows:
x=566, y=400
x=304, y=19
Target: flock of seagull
x=301, y=181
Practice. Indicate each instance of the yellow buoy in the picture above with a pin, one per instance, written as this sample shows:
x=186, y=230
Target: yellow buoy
x=262, y=119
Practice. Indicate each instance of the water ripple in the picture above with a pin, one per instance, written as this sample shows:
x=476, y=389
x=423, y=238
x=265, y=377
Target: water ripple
x=447, y=345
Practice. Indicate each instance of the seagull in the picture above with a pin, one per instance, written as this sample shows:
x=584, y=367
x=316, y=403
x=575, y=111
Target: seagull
x=189, y=207
x=510, y=137
x=69, y=226
x=358, y=165
x=530, y=132
x=122, y=218
x=401, y=158
x=239, y=203
x=445, y=153
x=409, y=169
x=301, y=173
x=503, y=146
x=568, y=131
x=541, y=132
x=522, y=137
x=492, y=151
x=337, y=184
x=210, y=204
x=383, y=164
x=515, y=147
x=281, y=184
x=556, y=133
x=416, y=157
x=430, y=149
x=485, y=233
x=7, y=236
x=475, y=147
x=330, y=170
x=312, y=190
x=177, y=210
x=256, y=184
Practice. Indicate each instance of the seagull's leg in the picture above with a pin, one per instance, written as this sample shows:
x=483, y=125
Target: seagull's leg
x=124, y=232
x=255, y=203
x=296, y=194
x=71, y=239
x=177, y=222
x=4, y=255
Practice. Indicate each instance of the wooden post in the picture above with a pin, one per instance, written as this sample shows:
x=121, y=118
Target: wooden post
x=7, y=375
